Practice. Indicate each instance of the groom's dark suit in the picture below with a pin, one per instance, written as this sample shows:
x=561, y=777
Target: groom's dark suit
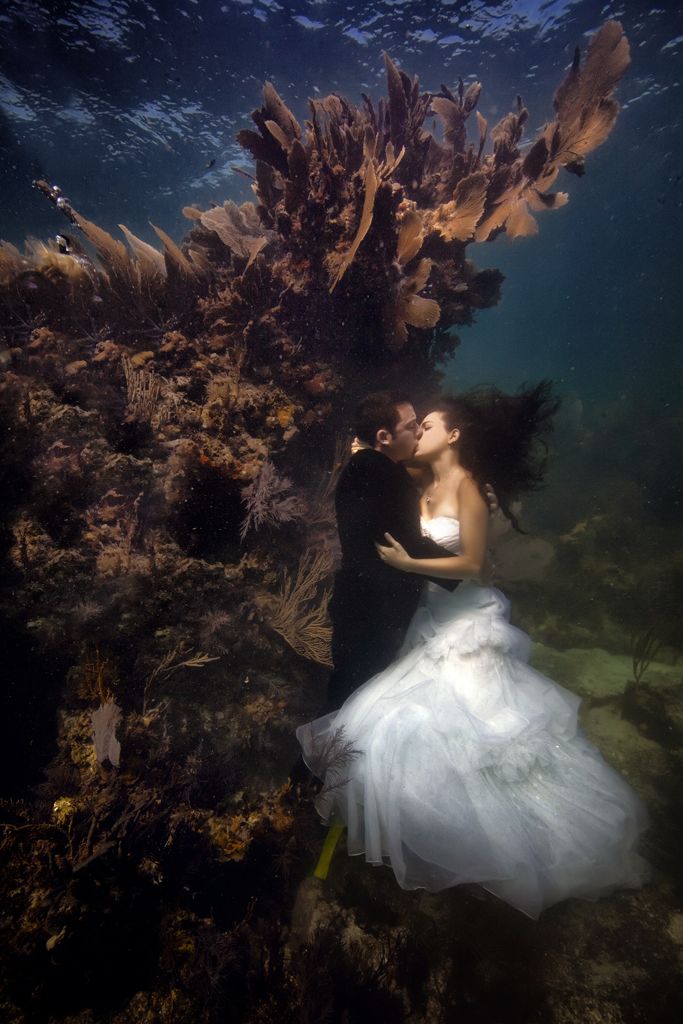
x=372, y=603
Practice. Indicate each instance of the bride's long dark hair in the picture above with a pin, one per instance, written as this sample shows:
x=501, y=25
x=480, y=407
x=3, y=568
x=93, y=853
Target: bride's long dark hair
x=502, y=438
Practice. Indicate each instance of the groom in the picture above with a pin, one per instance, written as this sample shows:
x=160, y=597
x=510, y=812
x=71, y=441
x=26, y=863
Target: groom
x=372, y=603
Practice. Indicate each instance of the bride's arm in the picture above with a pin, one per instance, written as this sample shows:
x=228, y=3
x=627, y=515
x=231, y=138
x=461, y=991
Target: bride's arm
x=473, y=517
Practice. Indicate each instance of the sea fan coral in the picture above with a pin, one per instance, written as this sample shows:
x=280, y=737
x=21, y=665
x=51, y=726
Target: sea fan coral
x=105, y=721
x=299, y=615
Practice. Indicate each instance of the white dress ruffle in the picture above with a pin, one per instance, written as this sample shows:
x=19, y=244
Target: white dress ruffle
x=460, y=763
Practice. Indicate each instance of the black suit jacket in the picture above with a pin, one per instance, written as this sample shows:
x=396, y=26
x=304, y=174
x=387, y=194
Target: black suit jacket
x=372, y=603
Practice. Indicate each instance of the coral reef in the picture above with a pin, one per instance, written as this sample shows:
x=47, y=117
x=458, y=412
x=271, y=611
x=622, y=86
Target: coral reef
x=360, y=207
x=172, y=423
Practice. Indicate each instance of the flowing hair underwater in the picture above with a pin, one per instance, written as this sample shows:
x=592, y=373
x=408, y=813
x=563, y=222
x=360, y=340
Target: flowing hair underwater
x=502, y=438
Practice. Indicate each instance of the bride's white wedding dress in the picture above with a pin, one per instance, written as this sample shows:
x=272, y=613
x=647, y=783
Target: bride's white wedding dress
x=469, y=765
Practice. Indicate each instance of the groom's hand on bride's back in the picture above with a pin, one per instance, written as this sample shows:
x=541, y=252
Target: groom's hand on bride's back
x=488, y=569
x=491, y=499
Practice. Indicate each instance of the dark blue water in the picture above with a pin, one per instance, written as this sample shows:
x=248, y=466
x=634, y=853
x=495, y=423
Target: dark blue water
x=132, y=108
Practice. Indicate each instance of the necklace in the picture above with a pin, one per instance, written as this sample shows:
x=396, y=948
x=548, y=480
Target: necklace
x=428, y=497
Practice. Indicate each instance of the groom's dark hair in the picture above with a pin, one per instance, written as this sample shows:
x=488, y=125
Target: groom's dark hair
x=378, y=411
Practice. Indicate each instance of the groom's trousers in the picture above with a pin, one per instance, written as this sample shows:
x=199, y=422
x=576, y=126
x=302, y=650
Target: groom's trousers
x=368, y=627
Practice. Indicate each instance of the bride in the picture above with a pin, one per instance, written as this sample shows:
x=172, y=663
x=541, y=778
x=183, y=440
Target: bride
x=459, y=762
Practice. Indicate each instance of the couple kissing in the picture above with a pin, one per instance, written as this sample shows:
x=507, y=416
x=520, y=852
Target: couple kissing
x=444, y=755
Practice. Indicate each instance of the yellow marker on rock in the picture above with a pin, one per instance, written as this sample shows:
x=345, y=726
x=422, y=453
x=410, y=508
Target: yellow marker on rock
x=333, y=837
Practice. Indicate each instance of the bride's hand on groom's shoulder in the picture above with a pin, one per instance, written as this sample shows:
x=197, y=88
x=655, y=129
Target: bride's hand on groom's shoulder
x=394, y=554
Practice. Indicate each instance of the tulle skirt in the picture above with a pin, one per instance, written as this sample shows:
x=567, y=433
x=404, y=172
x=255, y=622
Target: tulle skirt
x=460, y=763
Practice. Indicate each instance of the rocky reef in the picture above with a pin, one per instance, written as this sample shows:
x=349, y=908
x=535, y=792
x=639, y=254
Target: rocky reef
x=172, y=424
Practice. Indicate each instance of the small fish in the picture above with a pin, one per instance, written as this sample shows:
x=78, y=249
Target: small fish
x=210, y=164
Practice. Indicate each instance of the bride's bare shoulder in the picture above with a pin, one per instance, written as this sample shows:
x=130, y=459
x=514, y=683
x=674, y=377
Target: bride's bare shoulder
x=468, y=491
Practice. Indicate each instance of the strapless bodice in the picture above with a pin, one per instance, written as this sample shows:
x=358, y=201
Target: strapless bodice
x=445, y=530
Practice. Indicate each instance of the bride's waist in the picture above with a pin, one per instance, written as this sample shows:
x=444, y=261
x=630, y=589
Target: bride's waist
x=469, y=596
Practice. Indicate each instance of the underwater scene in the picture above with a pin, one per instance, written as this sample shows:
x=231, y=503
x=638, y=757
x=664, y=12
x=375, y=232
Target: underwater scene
x=341, y=538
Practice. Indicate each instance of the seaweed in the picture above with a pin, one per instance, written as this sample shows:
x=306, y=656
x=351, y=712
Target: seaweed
x=269, y=499
x=644, y=648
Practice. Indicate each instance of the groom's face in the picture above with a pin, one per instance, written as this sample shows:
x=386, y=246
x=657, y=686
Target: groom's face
x=405, y=435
